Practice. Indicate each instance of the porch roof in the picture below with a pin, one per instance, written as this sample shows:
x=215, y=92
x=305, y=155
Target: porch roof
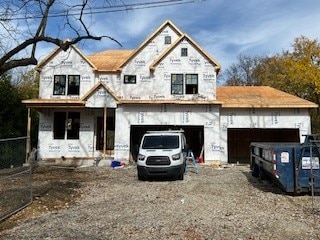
x=54, y=103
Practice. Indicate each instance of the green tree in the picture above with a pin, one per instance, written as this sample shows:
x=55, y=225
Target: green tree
x=12, y=112
x=296, y=72
x=27, y=85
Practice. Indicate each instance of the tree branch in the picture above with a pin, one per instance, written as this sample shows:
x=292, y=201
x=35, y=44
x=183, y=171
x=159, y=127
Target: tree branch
x=10, y=59
x=6, y=64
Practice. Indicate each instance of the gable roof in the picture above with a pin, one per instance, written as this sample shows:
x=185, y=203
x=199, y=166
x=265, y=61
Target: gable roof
x=194, y=44
x=95, y=88
x=110, y=60
x=56, y=51
x=152, y=36
x=115, y=60
x=259, y=97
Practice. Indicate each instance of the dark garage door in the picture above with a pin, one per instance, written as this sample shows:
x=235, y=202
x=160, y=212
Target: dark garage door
x=240, y=139
x=194, y=136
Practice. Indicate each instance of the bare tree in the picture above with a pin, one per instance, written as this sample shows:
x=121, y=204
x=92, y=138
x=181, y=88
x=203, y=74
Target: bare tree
x=24, y=24
x=242, y=72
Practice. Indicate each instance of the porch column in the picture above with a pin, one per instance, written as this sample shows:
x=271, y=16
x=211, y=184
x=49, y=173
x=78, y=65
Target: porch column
x=28, y=142
x=104, y=132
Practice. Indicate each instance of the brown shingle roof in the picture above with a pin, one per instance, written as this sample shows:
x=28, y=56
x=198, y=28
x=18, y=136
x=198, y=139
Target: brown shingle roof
x=259, y=97
x=109, y=60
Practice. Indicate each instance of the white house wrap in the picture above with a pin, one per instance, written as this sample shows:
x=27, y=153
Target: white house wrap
x=98, y=106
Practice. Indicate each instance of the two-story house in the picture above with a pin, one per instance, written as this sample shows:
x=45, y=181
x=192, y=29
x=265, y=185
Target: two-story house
x=100, y=105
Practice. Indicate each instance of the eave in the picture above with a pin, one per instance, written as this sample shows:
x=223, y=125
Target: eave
x=176, y=102
x=54, y=103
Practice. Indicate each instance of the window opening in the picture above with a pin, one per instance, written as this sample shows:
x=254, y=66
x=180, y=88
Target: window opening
x=167, y=40
x=59, y=122
x=130, y=79
x=184, y=52
x=177, y=84
x=73, y=125
x=73, y=85
x=191, y=83
x=59, y=87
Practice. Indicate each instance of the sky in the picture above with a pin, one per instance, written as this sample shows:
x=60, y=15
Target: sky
x=223, y=28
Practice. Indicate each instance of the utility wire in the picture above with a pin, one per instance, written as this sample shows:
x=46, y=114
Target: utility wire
x=110, y=9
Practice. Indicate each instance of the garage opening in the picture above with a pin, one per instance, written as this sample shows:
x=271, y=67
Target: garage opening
x=194, y=136
x=239, y=140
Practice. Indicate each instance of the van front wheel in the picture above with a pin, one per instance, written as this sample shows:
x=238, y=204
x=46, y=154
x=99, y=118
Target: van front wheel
x=141, y=178
x=181, y=176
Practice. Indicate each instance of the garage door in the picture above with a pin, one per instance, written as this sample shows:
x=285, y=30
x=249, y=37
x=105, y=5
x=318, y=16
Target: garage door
x=194, y=136
x=239, y=140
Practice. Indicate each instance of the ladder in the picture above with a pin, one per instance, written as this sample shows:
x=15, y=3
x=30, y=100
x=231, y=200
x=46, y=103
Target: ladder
x=192, y=162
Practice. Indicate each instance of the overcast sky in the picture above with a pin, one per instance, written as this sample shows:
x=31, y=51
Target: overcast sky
x=224, y=28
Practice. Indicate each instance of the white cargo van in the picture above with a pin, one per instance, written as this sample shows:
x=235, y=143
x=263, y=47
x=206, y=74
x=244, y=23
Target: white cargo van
x=162, y=153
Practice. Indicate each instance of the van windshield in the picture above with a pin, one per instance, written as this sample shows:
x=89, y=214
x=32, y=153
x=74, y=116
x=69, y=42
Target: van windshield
x=160, y=142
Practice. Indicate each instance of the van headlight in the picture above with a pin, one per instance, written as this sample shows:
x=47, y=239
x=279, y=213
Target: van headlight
x=141, y=157
x=176, y=157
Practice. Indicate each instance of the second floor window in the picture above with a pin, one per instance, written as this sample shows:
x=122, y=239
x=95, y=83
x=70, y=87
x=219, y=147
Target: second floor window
x=59, y=87
x=177, y=84
x=130, y=79
x=191, y=83
x=180, y=86
x=62, y=87
x=73, y=85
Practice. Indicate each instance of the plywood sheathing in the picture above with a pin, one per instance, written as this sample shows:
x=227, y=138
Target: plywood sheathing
x=259, y=97
x=110, y=60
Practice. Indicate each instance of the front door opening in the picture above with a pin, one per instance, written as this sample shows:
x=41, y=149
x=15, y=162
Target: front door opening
x=110, y=127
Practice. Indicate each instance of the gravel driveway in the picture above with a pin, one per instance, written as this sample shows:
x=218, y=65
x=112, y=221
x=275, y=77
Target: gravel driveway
x=215, y=204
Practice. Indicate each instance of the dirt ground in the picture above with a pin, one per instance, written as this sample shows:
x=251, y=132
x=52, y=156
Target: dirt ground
x=54, y=188
x=102, y=203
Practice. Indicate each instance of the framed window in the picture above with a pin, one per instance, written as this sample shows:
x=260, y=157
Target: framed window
x=73, y=85
x=59, y=87
x=177, y=84
x=73, y=125
x=191, y=83
x=130, y=79
x=167, y=40
x=184, y=52
x=59, y=122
